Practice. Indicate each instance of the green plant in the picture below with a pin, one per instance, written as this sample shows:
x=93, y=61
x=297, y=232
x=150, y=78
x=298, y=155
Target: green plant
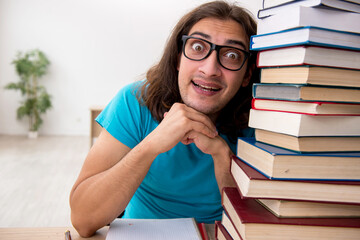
x=30, y=66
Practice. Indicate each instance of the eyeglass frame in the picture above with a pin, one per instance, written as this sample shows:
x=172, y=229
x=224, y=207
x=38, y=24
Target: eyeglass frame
x=213, y=47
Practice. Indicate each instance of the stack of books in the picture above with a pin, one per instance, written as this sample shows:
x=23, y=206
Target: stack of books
x=299, y=178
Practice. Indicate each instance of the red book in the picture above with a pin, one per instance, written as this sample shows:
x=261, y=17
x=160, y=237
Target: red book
x=253, y=221
x=304, y=107
x=253, y=184
x=202, y=231
x=220, y=232
x=309, y=55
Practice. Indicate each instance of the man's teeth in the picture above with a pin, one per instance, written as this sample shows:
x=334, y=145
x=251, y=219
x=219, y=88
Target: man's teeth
x=207, y=88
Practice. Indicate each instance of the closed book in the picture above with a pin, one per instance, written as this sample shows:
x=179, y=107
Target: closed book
x=273, y=3
x=311, y=75
x=313, y=108
x=300, y=125
x=220, y=232
x=309, y=55
x=303, y=209
x=306, y=36
x=253, y=221
x=280, y=163
x=253, y=184
x=309, y=144
x=299, y=92
x=307, y=16
x=336, y=4
x=229, y=226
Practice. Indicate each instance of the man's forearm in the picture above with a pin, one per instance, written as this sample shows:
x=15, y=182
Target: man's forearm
x=99, y=199
x=222, y=168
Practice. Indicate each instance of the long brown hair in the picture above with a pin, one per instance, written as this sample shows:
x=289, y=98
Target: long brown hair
x=160, y=90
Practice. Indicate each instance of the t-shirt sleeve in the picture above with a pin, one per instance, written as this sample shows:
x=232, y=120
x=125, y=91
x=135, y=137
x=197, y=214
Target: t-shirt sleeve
x=122, y=117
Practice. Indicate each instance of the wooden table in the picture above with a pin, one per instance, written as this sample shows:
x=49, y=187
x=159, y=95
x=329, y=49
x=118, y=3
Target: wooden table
x=47, y=233
x=58, y=233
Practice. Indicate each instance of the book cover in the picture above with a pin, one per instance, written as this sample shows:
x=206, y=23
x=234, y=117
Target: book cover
x=302, y=209
x=221, y=233
x=307, y=107
x=302, y=92
x=229, y=226
x=336, y=4
x=280, y=163
x=306, y=36
x=307, y=16
x=253, y=221
x=309, y=55
x=311, y=75
x=309, y=144
x=300, y=125
x=253, y=184
x=273, y=3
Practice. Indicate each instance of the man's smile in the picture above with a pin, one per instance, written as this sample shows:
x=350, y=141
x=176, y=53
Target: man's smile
x=206, y=86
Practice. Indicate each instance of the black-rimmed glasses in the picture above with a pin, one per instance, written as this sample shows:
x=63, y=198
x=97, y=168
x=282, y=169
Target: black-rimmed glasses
x=197, y=49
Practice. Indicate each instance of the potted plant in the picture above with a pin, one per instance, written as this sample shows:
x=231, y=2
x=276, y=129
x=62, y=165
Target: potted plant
x=30, y=66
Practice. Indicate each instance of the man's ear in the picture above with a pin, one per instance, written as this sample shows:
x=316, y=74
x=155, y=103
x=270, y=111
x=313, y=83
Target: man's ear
x=248, y=75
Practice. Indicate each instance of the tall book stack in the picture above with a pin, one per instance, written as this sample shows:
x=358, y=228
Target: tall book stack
x=299, y=178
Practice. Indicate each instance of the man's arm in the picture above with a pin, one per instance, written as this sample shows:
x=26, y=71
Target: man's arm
x=112, y=172
x=220, y=152
x=105, y=184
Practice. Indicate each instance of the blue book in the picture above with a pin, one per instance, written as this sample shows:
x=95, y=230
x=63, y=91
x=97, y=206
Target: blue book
x=306, y=36
x=303, y=92
x=282, y=164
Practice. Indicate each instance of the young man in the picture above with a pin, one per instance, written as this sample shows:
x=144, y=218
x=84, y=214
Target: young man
x=166, y=143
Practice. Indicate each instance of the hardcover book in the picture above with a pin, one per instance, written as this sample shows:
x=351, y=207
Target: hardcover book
x=309, y=55
x=253, y=221
x=229, y=226
x=312, y=108
x=273, y=3
x=301, y=125
x=307, y=16
x=309, y=144
x=279, y=163
x=306, y=36
x=253, y=184
x=336, y=4
x=221, y=233
x=311, y=75
x=298, y=92
x=302, y=209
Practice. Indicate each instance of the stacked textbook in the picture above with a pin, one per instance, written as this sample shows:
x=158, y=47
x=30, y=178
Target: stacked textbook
x=299, y=178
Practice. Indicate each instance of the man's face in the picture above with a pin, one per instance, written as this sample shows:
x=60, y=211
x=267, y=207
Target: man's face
x=205, y=85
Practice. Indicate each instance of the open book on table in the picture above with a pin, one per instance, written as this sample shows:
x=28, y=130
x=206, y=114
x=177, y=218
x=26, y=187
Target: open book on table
x=144, y=229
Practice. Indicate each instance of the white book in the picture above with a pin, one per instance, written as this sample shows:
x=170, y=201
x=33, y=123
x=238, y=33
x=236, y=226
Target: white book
x=336, y=4
x=144, y=229
x=309, y=55
x=298, y=125
x=306, y=35
x=274, y=3
x=307, y=16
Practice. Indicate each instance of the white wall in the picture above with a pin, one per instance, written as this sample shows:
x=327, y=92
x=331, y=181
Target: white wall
x=95, y=47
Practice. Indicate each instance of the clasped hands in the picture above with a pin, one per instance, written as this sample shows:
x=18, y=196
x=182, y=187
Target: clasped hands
x=185, y=124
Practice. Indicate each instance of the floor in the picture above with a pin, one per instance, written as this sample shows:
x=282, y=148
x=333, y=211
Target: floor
x=36, y=176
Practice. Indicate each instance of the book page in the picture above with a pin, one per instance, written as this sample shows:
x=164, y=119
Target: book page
x=156, y=229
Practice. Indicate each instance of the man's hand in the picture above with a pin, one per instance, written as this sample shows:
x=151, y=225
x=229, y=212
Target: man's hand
x=177, y=124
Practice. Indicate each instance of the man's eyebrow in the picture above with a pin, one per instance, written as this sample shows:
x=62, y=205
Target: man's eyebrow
x=230, y=41
x=204, y=35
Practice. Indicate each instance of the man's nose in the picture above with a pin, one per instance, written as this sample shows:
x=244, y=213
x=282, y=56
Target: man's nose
x=210, y=66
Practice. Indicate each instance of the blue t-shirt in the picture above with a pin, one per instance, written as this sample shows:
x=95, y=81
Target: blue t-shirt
x=180, y=182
